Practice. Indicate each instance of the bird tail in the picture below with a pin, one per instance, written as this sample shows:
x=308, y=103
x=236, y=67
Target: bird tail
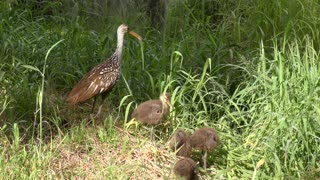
x=72, y=100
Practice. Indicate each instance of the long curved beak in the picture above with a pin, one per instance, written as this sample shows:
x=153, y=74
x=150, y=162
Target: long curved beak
x=135, y=35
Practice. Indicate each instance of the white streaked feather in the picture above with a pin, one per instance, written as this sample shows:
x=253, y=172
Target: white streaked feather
x=91, y=84
x=101, y=90
x=95, y=88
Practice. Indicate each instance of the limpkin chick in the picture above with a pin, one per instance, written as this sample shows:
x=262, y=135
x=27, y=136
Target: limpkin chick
x=152, y=112
x=180, y=143
x=205, y=139
x=186, y=169
x=103, y=77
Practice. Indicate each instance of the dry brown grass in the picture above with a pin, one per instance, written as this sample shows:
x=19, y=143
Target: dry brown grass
x=128, y=158
x=96, y=152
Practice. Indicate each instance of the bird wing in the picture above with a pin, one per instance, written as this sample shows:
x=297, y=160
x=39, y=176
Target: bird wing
x=148, y=111
x=198, y=139
x=99, y=79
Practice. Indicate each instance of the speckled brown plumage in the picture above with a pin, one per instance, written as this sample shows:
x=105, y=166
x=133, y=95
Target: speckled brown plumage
x=186, y=169
x=100, y=79
x=180, y=143
x=205, y=139
x=152, y=112
x=103, y=77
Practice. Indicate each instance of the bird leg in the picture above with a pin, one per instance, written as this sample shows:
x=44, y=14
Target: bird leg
x=99, y=110
x=93, y=104
x=204, y=159
x=152, y=134
x=103, y=97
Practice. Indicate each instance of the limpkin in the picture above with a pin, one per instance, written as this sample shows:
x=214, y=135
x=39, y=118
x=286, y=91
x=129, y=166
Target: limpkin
x=205, y=139
x=152, y=112
x=186, y=169
x=180, y=143
x=102, y=78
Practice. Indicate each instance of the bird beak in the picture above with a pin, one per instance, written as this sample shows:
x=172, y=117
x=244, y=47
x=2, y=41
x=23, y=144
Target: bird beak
x=165, y=100
x=135, y=35
x=169, y=103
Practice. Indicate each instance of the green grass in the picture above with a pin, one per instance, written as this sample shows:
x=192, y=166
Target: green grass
x=247, y=68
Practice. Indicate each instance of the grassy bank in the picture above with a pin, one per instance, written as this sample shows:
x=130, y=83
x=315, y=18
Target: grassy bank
x=247, y=68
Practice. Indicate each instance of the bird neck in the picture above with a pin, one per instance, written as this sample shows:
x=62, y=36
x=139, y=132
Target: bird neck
x=165, y=107
x=120, y=37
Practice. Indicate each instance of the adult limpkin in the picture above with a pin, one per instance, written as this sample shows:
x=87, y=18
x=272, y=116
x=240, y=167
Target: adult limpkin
x=102, y=78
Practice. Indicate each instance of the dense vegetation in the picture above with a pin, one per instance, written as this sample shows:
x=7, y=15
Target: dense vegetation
x=248, y=68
